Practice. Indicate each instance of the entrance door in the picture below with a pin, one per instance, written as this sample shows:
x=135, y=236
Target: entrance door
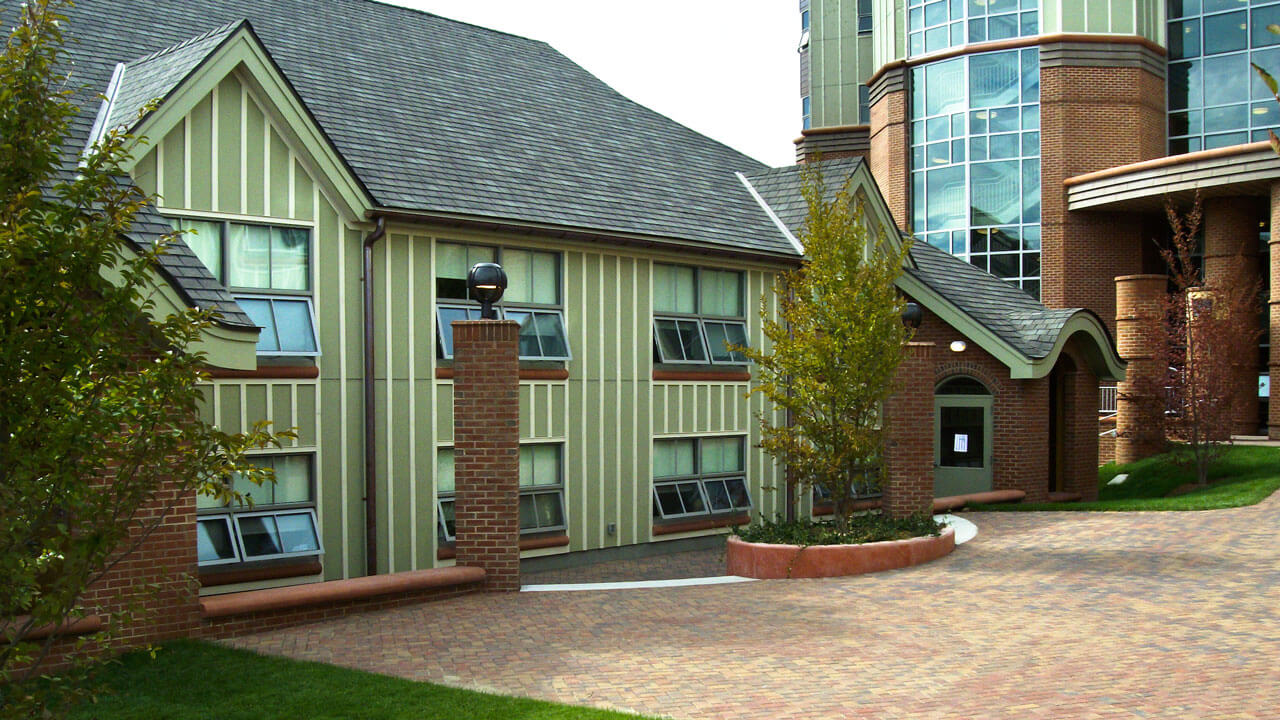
x=962, y=438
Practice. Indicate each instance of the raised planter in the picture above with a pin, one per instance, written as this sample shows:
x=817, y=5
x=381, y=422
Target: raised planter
x=773, y=562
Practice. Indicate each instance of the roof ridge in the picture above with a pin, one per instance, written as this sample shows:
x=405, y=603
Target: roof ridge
x=420, y=11
x=220, y=30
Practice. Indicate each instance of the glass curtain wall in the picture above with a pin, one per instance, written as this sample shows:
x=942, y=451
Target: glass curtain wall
x=975, y=161
x=1215, y=98
x=934, y=25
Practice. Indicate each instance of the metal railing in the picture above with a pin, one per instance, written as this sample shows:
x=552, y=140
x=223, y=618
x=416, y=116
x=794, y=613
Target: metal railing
x=1107, y=400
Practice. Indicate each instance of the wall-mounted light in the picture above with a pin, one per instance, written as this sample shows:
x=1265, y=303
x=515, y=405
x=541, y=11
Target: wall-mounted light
x=487, y=281
x=912, y=315
x=958, y=346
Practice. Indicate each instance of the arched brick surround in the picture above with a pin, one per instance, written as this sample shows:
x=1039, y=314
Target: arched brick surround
x=1020, y=408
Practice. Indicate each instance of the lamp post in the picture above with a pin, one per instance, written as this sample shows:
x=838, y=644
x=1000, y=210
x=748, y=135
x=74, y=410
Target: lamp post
x=487, y=282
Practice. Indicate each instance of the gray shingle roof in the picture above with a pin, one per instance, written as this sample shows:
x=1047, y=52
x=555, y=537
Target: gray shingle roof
x=446, y=117
x=157, y=74
x=1000, y=306
x=781, y=188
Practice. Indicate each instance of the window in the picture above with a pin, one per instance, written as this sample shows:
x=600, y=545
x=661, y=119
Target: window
x=699, y=476
x=697, y=315
x=804, y=30
x=864, y=104
x=975, y=161
x=532, y=297
x=280, y=522
x=1214, y=97
x=934, y=25
x=806, y=118
x=864, y=16
x=541, y=491
x=268, y=269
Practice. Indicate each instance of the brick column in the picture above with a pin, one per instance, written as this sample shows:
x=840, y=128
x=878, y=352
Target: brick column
x=1139, y=412
x=890, y=142
x=1273, y=408
x=486, y=441
x=1231, y=260
x=1094, y=117
x=908, y=452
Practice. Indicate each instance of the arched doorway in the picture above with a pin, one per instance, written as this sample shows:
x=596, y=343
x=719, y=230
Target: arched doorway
x=962, y=437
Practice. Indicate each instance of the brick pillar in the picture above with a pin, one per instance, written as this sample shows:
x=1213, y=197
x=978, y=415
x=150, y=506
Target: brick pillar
x=1231, y=260
x=908, y=453
x=1273, y=407
x=486, y=441
x=1080, y=431
x=890, y=142
x=1094, y=117
x=1139, y=412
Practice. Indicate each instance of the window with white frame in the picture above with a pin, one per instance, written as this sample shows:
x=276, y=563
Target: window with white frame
x=697, y=315
x=541, y=490
x=268, y=270
x=532, y=297
x=278, y=520
x=699, y=476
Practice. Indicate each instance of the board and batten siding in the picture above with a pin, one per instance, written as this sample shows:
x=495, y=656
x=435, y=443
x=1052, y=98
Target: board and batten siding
x=229, y=160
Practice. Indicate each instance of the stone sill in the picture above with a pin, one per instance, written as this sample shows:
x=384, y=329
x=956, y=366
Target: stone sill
x=856, y=506
x=268, y=372
x=704, y=375
x=446, y=373
x=214, y=577
x=337, y=591
x=449, y=552
x=83, y=626
x=672, y=528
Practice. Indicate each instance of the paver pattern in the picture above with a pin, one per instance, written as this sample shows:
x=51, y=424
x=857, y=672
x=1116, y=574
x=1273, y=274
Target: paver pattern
x=689, y=564
x=1043, y=615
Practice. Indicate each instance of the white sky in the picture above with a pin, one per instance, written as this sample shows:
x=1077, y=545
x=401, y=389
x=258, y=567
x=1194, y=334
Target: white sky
x=726, y=68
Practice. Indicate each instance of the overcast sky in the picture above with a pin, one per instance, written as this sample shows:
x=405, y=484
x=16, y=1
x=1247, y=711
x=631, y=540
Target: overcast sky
x=726, y=68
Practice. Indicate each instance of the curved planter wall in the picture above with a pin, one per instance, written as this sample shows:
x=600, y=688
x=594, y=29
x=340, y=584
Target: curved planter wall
x=771, y=562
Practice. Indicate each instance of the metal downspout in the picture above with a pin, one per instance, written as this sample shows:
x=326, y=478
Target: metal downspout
x=370, y=458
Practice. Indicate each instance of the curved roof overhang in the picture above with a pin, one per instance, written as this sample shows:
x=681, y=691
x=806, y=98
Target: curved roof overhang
x=1239, y=170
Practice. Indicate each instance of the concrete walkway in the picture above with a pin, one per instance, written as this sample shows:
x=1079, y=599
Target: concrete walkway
x=1043, y=615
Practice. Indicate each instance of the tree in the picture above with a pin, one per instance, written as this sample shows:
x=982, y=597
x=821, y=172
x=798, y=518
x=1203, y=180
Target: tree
x=1206, y=339
x=98, y=396
x=836, y=343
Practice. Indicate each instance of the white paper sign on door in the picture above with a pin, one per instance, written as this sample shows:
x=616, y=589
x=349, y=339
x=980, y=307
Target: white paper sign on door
x=962, y=443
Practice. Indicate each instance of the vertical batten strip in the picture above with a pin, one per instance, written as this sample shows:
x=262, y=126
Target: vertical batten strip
x=617, y=407
x=434, y=437
x=244, y=155
x=186, y=161
x=413, y=421
x=213, y=156
x=583, y=500
x=159, y=147
x=293, y=173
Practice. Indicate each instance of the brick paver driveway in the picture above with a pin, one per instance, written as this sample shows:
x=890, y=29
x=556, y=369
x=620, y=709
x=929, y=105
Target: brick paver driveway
x=1056, y=615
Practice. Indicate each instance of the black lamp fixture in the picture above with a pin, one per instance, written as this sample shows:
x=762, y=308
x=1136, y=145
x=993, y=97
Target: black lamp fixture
x=912, y=315
x=487, y=281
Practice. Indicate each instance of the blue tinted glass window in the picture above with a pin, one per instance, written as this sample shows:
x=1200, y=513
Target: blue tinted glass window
x=975, y=159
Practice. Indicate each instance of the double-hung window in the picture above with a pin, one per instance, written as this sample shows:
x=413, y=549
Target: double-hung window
x=541, y=490
x=699, y=476
x=532, y=297
x=697, y=315
x=279, y=522
x=268, y=270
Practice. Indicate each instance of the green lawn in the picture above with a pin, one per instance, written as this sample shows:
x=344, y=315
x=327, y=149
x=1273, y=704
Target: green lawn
x=189, y=679
x=1244, y=476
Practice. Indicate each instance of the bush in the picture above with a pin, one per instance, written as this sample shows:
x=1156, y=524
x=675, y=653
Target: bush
x=868, y=528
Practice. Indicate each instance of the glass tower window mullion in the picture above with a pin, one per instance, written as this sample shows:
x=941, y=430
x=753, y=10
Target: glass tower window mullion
x=975, y=161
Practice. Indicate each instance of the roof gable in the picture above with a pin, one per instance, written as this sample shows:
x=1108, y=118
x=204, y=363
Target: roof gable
x=184, y=74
